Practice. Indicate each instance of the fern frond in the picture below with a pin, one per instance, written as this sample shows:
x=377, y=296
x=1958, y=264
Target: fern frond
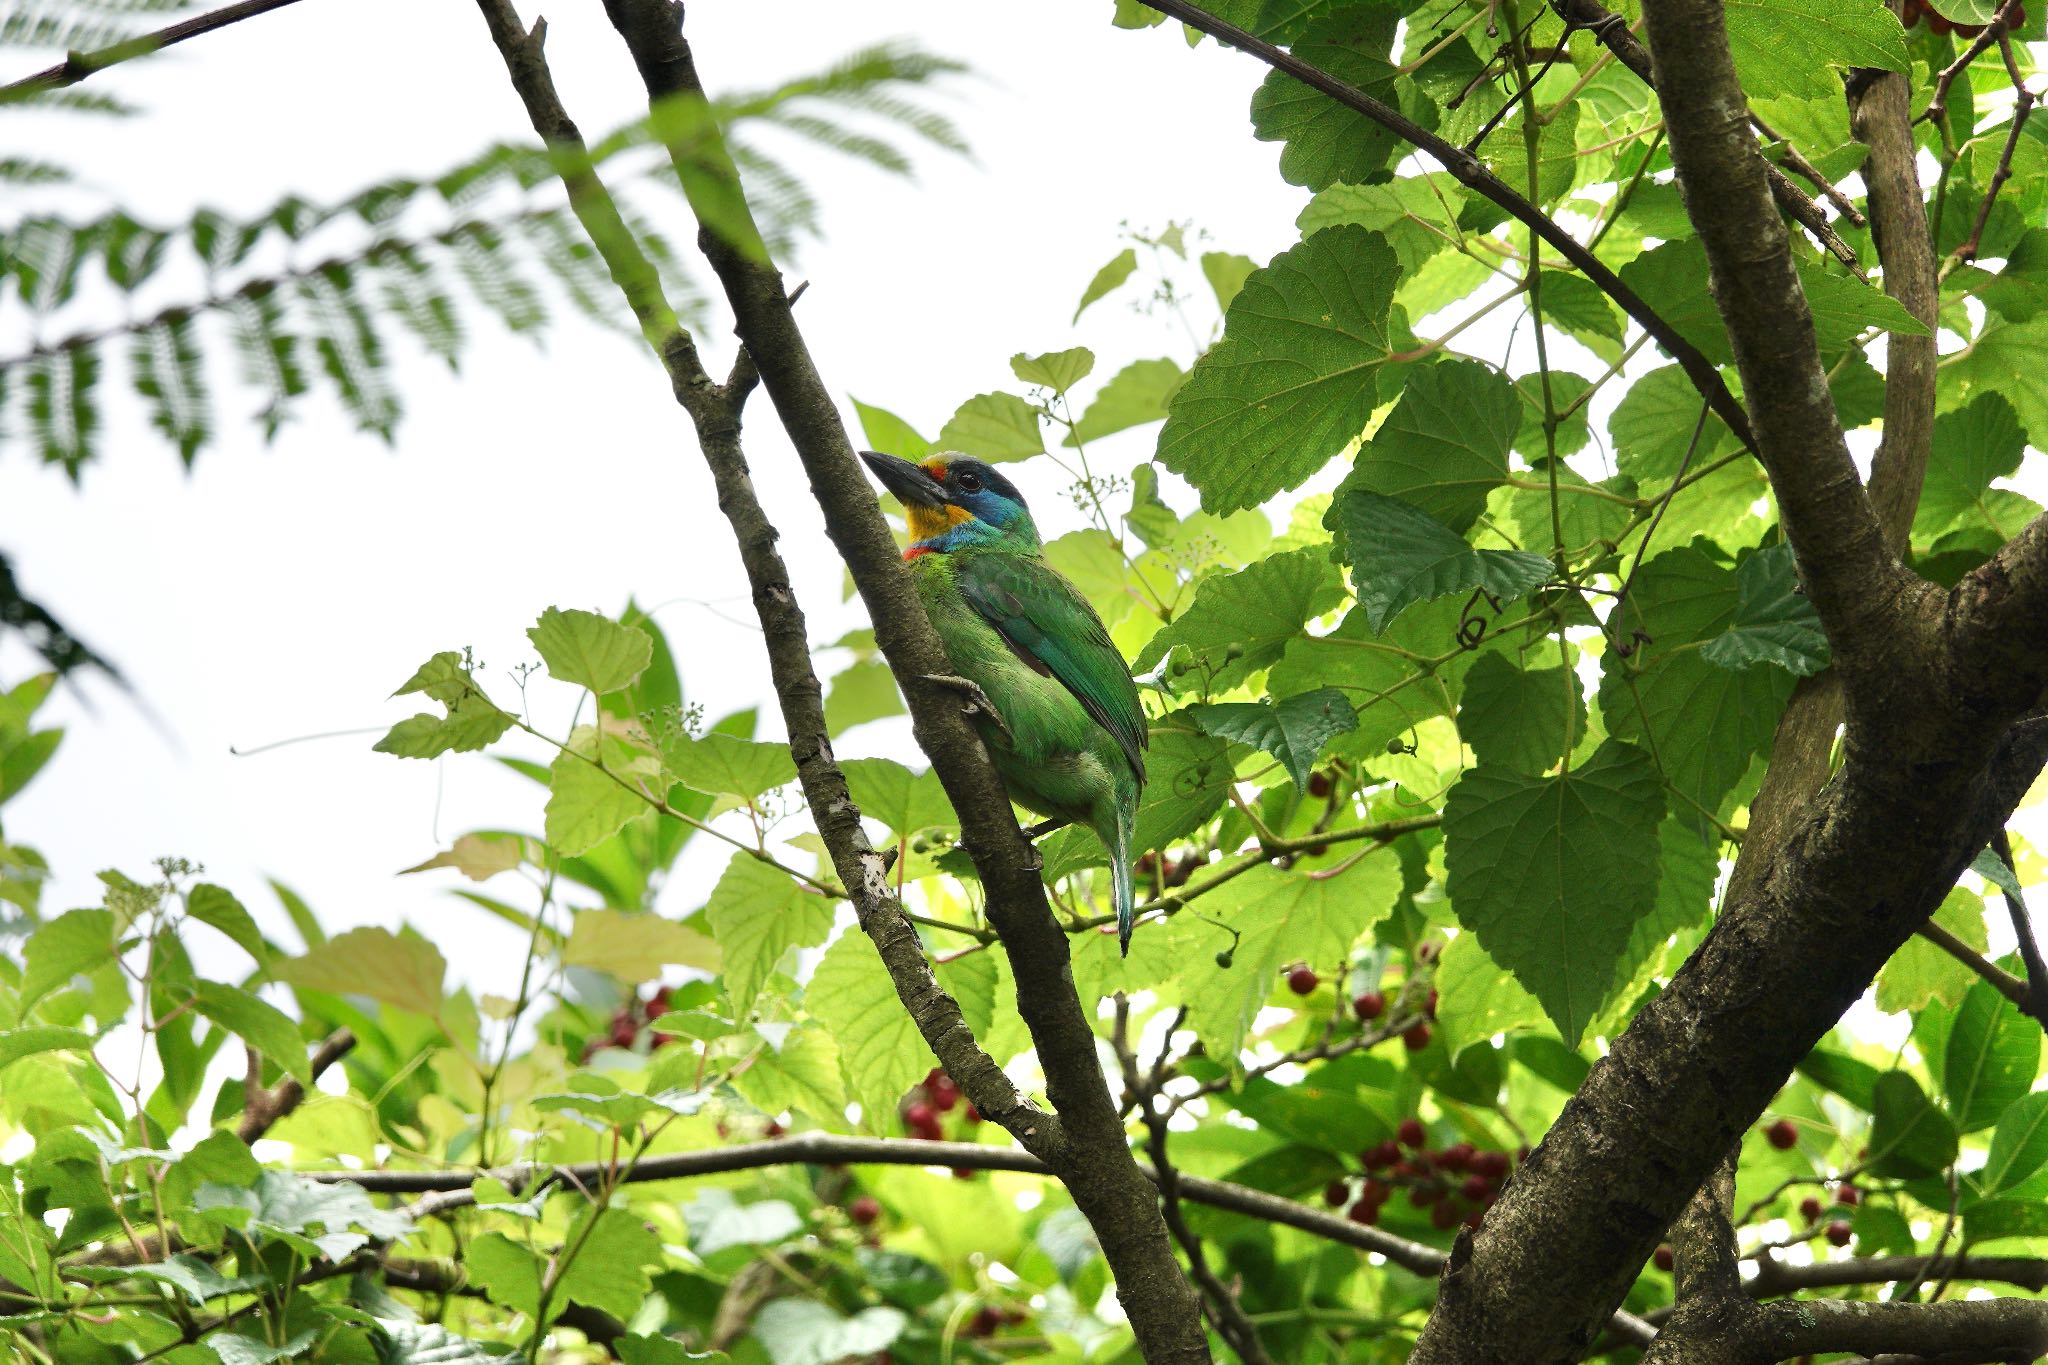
x=63, y=409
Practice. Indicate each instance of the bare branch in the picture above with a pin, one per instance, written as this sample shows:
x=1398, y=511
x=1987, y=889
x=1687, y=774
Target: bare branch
x=261, y=1108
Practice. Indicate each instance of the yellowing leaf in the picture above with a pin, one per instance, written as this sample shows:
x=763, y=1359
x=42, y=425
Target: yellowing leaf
x=635, y=947
x=478, y=857
x=402, y=970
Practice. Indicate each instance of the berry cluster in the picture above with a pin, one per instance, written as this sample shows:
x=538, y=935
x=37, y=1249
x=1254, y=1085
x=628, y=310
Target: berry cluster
x=1916, y=10
x=628, y=1020
x=936, y=1094
x=1457, y=1183
x=1372, y=1004
x=1837, y=1230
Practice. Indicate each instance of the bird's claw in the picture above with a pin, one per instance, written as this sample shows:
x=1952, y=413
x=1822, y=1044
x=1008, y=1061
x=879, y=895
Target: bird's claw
x=976, y=700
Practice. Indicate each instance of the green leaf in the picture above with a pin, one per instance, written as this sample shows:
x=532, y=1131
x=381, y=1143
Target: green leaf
x=1524, y=719
x=1787, y=47
x=1688, y=866
x=1844, y=307
x=1992, y=1054
x=18, y=1043
x=906, y=802
x=719, y=764
x=1672, y=279
x=880, y=1053
x=1842, y=1075
x=1416, y=214
x=1258, y=609
x=1990, y=1220
x=1580, y=308
x=1445, y=445
x=1294, y=378
x=1383, y=671
x=1108, y=279
x=2004, y=360
x=2019, y=292
x=471, y=724
x=1134, y=395
x=600, y=1102
x=1478, y=998
x=993, y=427
x=217, y=906
x=2019, y=1144
x=757, y=913
x=887, y=432
x=1703, y=722
x=1774, y=623
x=609, y=1271
x=1293, y=731
x=235, y=1349
x=1401, y=555
x=1327, y=142
x=1909, y=1137
x=1226, y=272
x=864, y=690
x=1548, y=872
x=417, y=1343
x=799, y=1331
x=402, y=970
x=589, y=650
x=256, y=1022
x=1653, y=424
x=588, y=803
x=75, y=943
x=1994, y=869
x=198, y=1280
x=1920, y=972
x=802, y=1075
x=634, y=947
x=717, y=1220
x=1972, y=446
x=1055, y=370
x=508, y=1273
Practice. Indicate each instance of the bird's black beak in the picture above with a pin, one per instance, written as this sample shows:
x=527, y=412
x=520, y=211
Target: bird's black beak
x=911, y=485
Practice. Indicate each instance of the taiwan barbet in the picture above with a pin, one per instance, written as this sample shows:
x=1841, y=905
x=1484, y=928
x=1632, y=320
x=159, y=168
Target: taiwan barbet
x=1068, y=735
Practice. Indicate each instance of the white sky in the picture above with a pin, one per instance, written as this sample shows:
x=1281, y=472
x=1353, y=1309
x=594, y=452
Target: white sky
x=285, y=591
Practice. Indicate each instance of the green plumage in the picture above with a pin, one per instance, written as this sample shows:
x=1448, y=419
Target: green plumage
x=1073, y=735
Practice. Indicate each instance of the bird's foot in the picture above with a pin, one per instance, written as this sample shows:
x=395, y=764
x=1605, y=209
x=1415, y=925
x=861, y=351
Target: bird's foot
x=977, y=701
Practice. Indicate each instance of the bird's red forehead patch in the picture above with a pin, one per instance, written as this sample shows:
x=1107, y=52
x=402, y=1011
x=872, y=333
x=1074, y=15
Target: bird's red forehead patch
x=937, y=469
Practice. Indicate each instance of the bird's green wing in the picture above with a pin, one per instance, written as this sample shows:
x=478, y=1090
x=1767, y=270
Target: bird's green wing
x=1054, y=629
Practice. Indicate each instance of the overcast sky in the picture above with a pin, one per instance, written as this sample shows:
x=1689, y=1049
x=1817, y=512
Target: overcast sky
x=284, y=591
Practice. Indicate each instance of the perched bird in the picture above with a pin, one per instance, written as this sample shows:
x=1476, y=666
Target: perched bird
x=1067, y=733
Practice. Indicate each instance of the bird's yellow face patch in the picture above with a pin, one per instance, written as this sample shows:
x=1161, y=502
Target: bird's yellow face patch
x=929, y=523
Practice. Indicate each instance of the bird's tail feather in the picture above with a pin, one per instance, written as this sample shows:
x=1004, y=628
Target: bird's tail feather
x=1122, y=889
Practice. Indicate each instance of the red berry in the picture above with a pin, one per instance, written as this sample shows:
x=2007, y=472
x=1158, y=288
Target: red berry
x=1427, y=950
x=971, y=1114
x=1422, y=1196
x=1665, y=1257
x=1370, y=1006
x=1782, y=1135
x=864, y=1210
x=985, y=1321
x=1148, y=863
x=1318, y=785
x=1848, y=1196
x=1492, y=1165
x=920, y=1115
x=943, y=1094
x=1336, y=1192
x=1456, y=1157
x=623, y=1032
x=1417, y=1037
x=1809, y=1209
x=964, y=1173
x=1412, y=1133
x=1838, y=1233
x=1408, y=1170
x=1444, y=1217
x=1316, y=850
x=1476, y=1188
x=774, y=1129
x=657, y=1007
x=1366, y=1211
x=1376, y=1191
x=1302, y=980
x=1381, y=1154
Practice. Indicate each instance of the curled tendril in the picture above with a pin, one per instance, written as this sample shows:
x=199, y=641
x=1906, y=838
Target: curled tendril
x=1471, y=625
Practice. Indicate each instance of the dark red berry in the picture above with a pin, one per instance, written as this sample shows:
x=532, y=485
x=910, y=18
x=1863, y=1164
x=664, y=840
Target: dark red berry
x=1376, y=1191
x=1417, y=1037
x=971, y=1114
x=1848, y=1196
x=1412, y=1133
x=864, y=1210
x=1456, y=1157
x=1492, y=1165
x=1427, y=950
x=1444, y=1216
x=1302, y=980
x=920, y=1115
x=1365, y=1211
x=1316, y=850
x=943, y=1094
x=1809, y=1209
x=1335, y=1193
x=1370, y=1006
x=774, y=1129
x=1665, y=1257
x=1782, y=1135
x=1476, y=1188
x=964, y=1173
x=1147, y=864
x=1319, y=785
x=1381, y=1154
x=658, y=1006
x=1422, y=1196
x=985, y=1321
x=1838, y=1232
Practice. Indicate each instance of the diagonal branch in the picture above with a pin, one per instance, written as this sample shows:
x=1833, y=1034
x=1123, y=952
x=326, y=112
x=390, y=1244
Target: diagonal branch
x=1472, y=173
x=1092, y=1154
x=76, y=66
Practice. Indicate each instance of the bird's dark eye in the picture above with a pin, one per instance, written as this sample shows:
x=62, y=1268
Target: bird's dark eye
x=970, y=483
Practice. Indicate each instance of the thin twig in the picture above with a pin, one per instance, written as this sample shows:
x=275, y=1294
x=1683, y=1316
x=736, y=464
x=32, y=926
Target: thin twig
x=261, y=1108
x=2022, y=110
x=76, y=66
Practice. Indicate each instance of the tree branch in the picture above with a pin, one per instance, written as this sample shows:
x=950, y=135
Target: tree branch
x=1470, y=172
x=261, y=1108
x=1088, y=1148
x=1710, y=1306
x=76, y=66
